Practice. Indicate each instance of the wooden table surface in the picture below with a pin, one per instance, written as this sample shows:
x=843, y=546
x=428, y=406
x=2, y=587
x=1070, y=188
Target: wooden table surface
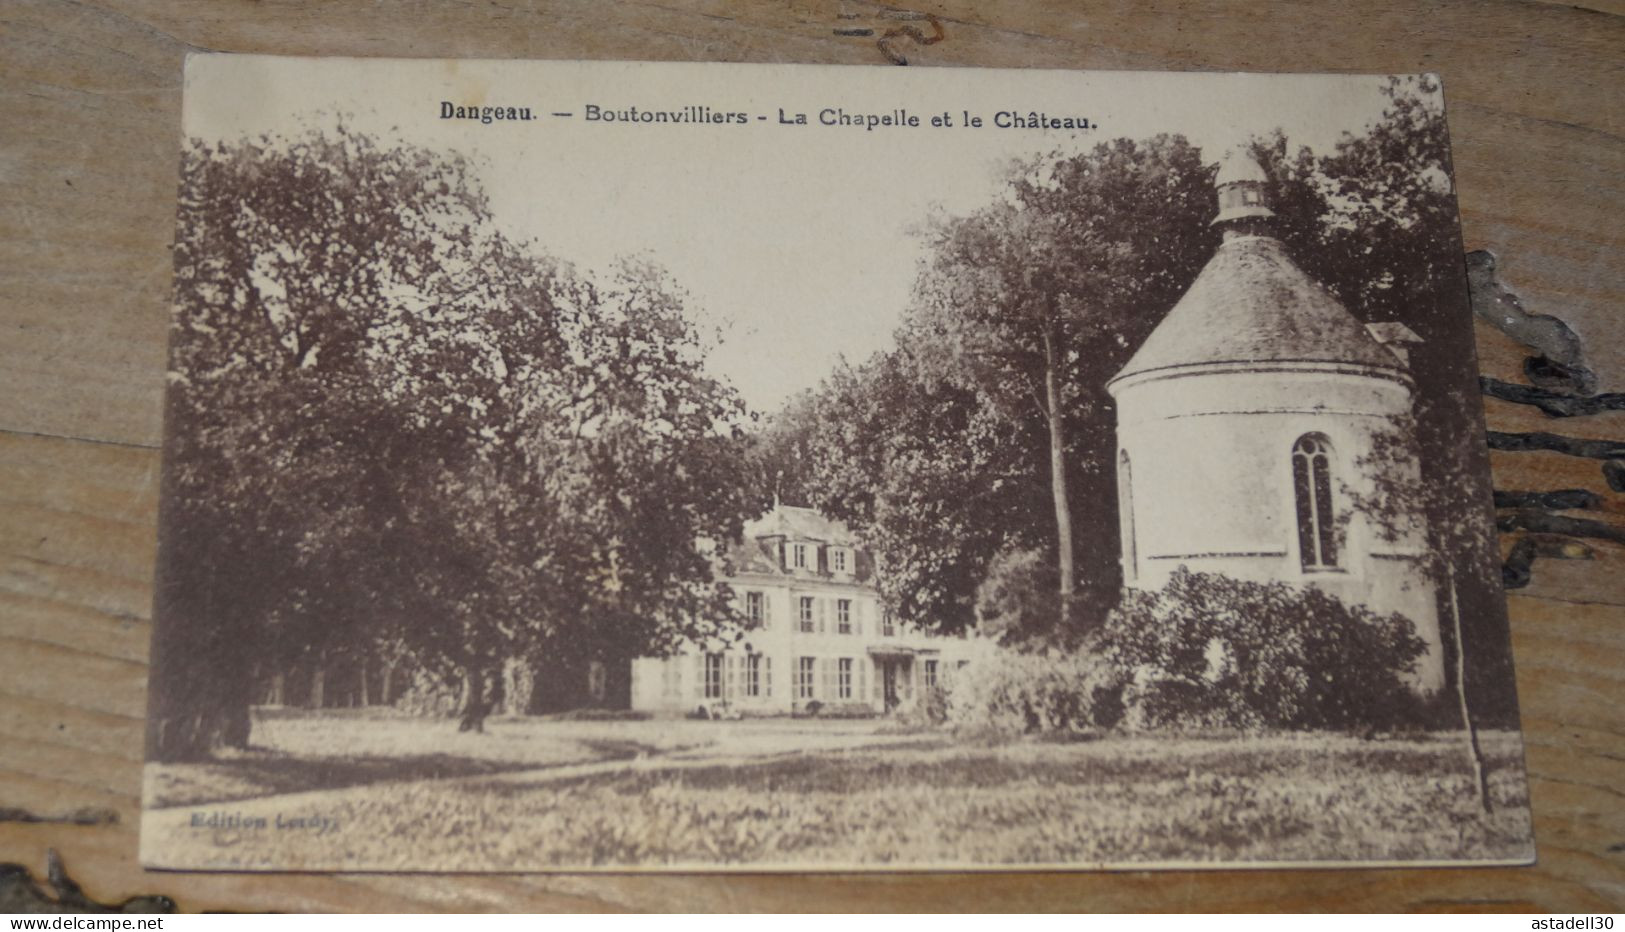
x=89, y=131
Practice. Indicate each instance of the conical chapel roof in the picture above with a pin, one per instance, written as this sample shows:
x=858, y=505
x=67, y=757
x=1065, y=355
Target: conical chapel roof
x=1253, y=304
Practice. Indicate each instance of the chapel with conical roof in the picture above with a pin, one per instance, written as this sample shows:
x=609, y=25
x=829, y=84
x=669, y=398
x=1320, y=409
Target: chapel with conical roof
x=1249, y=423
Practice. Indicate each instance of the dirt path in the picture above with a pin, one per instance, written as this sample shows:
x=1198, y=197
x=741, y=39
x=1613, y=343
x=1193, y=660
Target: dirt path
x=719, y=755
x=586, y=749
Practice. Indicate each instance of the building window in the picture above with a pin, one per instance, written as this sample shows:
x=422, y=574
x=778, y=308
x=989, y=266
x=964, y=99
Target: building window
x=887, y=626
x=798, y=556
x=756, y=609
x=837, y=560
x=843, y=678
x=804, y=677
x=1312, y=490
x=807, y=613
x=1125, y=504
x=713, y=676
x=843, y=616
x=753, y=675
x=930, y=674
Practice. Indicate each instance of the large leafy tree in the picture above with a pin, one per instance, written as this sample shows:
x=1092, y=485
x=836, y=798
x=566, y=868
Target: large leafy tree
x=988, y=430
x=391, y=423
x=1030, y=301
x=288, y=255
x=935, y=481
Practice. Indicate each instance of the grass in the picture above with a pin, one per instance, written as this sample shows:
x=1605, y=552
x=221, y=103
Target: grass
x=811, y=794
x=297, y=750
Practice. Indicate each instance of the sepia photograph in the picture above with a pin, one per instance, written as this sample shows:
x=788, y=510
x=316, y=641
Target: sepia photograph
x=700, y=467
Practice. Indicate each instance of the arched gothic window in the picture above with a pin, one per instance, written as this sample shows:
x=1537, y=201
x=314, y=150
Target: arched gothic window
x=1312, y=489
x=1125, y=503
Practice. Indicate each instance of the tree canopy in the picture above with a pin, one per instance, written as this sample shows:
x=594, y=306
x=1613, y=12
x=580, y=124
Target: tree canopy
x=987, y=433
x=389, y=420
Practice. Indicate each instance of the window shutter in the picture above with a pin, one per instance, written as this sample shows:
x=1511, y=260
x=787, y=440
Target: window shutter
x=767, y=676
x=823, y=604
x=857, y=616
x=767, y=611
x=863, y=686
x=699, y=675
x=728, y=684
x=829, y=678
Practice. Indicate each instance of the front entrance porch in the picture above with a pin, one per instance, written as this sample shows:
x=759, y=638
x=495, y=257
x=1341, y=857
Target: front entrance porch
x=896, y=674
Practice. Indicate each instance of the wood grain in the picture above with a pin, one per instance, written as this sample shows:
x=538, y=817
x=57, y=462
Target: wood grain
x=89, y=125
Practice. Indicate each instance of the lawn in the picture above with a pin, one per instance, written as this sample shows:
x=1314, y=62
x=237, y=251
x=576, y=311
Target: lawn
x=782, y=794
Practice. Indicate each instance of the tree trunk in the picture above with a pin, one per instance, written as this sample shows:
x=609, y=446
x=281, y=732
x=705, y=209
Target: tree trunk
x=386, y=695
x=278, y=688
x=361, y=680
x=476, y=700
x=1065, y=558
x=192, y=719
x=1481, y=772
x=318, y=688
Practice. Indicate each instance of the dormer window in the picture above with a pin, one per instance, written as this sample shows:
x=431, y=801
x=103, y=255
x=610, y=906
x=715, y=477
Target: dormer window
x=838, y=560
x=798, y=556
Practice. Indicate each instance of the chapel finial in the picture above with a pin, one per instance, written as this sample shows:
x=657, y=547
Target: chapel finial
x=1243, y=189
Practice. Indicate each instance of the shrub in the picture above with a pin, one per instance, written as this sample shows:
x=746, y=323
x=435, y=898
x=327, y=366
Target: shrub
x=932, y=707
x=1019, y=599
x=1018, y=603
x=428, y=695
x=1015, y=692
x=846, y=710
x=1211, y=651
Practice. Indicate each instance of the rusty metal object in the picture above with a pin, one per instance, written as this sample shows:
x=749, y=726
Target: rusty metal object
x=1561, y=385
x=20, y=892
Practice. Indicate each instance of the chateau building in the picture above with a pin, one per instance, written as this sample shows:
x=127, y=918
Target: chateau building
x=817, y=638
x=1252, y=421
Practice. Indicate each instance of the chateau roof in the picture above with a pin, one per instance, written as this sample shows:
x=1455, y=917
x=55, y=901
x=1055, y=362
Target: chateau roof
x=757, y=551
x=800, y=524
x=1253, y=304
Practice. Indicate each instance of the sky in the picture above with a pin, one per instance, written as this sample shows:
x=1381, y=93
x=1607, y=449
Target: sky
x=794, y=243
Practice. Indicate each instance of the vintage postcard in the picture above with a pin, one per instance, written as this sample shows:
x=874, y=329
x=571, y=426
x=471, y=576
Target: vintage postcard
x=628, y=466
